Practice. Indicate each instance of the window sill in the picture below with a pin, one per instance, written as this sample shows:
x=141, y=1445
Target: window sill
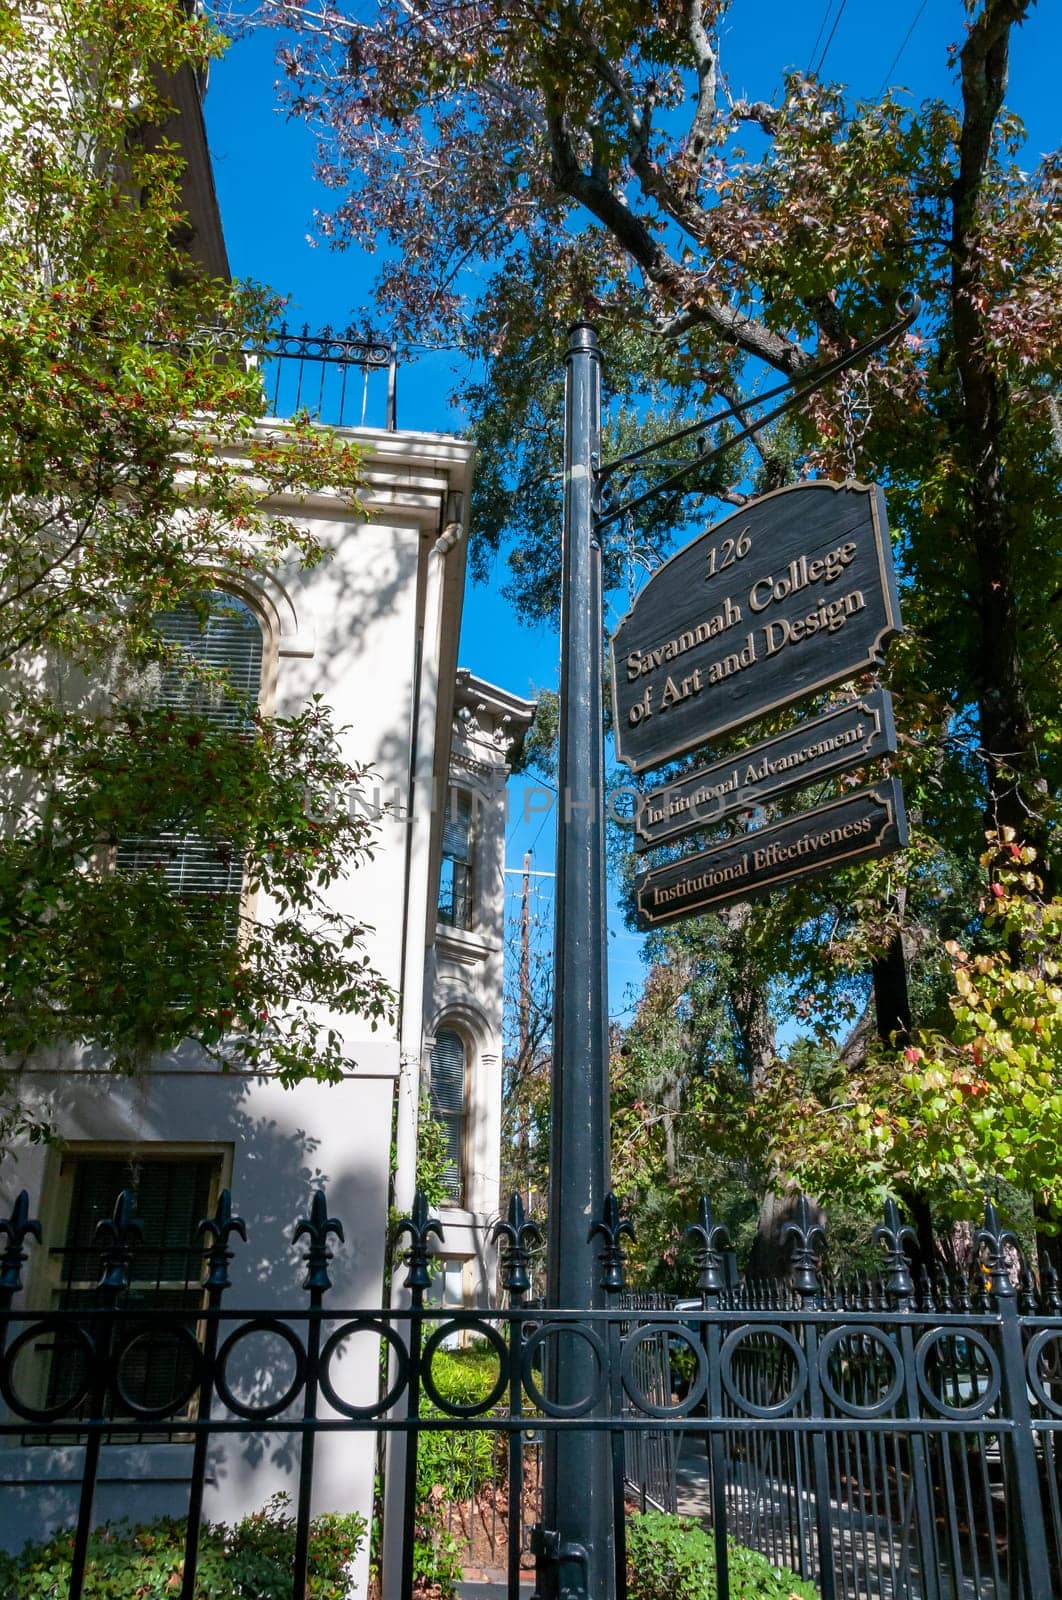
x=461, y=944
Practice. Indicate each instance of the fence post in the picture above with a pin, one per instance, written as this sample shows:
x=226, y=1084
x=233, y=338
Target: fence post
x=1027, y=1523
x=517, y=1233
x=612, y=1229
x=420, y=1226
x=218, y=1229
x=317, y=1228
x=808, y=1239
x=118, y=1234
x=893, y=1236
x=711, y=1238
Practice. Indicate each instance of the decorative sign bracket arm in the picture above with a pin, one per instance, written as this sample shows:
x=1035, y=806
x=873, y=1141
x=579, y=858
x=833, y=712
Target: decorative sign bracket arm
x=799, y=387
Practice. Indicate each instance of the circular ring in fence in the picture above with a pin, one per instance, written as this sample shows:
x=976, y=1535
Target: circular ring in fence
x=64, y=1334
x=382, y=1330
x=484, y=1330
x=776, y=1335
x=853, y=1408
x=1037, y=1382
x=243, y=1408
x=557, y=1408
x=171, y=1335
x=962, y=1374
x=635, y=1342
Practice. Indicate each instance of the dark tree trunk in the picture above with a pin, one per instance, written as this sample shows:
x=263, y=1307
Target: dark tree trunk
x=1007, y=732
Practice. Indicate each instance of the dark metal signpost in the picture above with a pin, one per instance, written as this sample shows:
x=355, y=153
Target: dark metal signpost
x=793, y=593
x=574, y=1548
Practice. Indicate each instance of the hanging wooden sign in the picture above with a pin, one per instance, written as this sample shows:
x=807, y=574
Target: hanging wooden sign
x=847, y=737
x=858, y=827
x=792, y=593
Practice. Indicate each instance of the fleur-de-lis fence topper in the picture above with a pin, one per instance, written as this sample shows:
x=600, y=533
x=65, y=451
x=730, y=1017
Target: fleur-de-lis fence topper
x=710, y=1239
x=518, y=1233
x=420, y=1226
x=894, y=1236
x=318, y=1227
x=1052, y=1295
x=809, y=1241
x=118, y=1235
x=613, y=1229
x=17, y=1228
x=218, y=1229
x=992, y=1240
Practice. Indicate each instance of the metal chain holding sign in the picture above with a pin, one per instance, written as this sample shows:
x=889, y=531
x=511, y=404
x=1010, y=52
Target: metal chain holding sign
x=855, y=414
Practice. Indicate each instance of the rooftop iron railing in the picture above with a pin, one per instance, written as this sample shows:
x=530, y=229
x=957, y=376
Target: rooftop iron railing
x=327, y=374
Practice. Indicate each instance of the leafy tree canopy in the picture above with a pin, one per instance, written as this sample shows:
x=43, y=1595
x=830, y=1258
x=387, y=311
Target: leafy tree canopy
x=533, y=164
x=536, y=163
x=134, y=480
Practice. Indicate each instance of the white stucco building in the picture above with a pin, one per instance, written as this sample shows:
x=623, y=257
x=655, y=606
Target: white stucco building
x=463, y=1011
x=375, y=631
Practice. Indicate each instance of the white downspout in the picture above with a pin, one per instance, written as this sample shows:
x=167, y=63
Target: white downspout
x=411, y=1032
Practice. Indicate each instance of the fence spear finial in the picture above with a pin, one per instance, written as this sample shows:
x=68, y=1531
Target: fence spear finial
x=518, y=1233
x=318, y=1227
x=613, y=1229
x=218, y=1229
x=710, y=1238
x=893, y=1235
x=420, y=1227
x=809, y=1240
x=18, y=1227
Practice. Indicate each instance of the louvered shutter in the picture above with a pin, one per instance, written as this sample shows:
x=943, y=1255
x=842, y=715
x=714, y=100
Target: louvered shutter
x=457, y=826
x=228, y=640
x=448, y=1103
x=172, y=1196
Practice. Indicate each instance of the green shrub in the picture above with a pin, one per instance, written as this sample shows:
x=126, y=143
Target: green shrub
x=671, y=1558
x=250, y=1561
x=451, y=1465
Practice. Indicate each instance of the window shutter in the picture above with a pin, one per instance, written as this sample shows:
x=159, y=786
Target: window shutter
x=457, y=827
x=448, y=1102
x=228, y=640
x=172, y=1196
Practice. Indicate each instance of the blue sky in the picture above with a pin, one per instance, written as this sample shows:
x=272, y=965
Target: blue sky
x=263, y=169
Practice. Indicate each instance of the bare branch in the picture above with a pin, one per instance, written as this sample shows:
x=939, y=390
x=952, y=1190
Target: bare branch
x=705, y=61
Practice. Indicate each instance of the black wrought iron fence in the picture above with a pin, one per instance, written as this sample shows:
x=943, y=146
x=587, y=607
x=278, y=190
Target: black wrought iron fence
x=881, y=1442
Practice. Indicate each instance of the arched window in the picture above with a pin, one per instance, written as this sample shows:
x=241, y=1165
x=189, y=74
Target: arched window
x=448, y=1105
x=227, y=640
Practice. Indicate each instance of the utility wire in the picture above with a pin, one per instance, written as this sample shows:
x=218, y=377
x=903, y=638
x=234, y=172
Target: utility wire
x=829, y=41
x=818, y=36
x=906, y=41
